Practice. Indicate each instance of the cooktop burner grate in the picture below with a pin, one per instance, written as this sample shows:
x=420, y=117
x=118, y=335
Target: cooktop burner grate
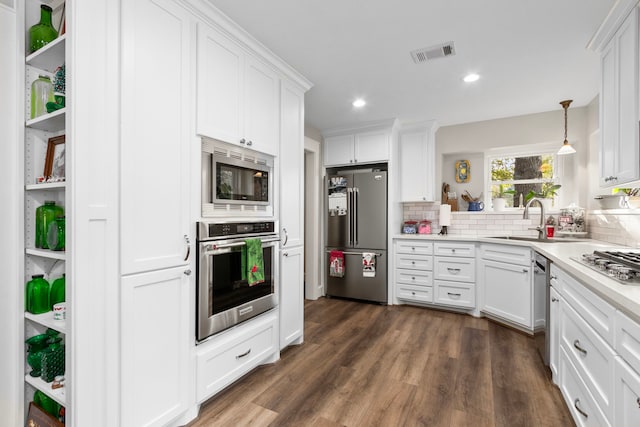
x=630, y=259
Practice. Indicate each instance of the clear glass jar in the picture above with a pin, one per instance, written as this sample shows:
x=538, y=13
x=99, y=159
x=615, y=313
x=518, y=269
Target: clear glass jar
x=41, y=93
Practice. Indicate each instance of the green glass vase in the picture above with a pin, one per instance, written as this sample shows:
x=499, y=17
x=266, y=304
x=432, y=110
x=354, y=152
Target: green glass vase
x=43, y=32
x=37, y=295
x=36, y=345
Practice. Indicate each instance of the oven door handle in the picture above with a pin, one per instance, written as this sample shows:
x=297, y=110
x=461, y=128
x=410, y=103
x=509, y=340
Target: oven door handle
x=212, y=246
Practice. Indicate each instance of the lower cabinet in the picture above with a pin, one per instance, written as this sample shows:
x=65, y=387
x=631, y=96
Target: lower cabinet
x=232, y=353
x=508, y=292
x=554, y=332
x=155, y=347
x=291, y=296
x=627, y=395
x=456, y=294
x=581, y=404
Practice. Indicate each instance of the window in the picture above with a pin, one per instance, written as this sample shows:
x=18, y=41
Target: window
x=531, y=174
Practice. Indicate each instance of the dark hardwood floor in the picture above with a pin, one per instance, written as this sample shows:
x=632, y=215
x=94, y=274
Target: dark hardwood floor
x=370, y=365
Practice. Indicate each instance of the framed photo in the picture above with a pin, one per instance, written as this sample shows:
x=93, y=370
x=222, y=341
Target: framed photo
x=54, y=161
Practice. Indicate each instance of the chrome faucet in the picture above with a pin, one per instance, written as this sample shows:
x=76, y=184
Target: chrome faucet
x=540, y=228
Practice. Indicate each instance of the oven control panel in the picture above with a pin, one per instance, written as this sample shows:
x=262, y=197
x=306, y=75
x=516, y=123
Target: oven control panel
x=212, y=229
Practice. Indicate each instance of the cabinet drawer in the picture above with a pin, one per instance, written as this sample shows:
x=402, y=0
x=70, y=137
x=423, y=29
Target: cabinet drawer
x=414, y=277
x=627, y=340
x=224, y=360
x=414, y=262
x=580, y=402
x=415, y=247
x=506, y=253
x=456, y=294
x=457, y=269
x=627, y=408
x=415, y=293
x=598, y=313
x=454, y=249
x=591, y=355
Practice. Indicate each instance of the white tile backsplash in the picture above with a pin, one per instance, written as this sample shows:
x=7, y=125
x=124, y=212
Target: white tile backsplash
x=620, y=226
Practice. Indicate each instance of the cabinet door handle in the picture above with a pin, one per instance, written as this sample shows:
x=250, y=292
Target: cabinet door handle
x=249, y=142
x=453, y=270
x=187, y=272
x=285, y=254
x=451, y=294
x=525, y=270
x=413, y=263
x=242, y=141
x=575, y=404
x=413, y=249
x=188, y=242
x=554, y=299
x=413, y=293
x=638, y=402
x=413, y=278
x=453, y=251
x=246, y=353
x=286, y=236
x=355, y=160
x=576, y=344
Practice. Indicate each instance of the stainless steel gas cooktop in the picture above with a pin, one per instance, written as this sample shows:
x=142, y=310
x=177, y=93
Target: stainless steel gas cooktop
x=623, y=267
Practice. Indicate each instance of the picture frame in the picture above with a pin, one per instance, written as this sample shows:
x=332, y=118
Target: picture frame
x=54, y=163
x=463, y=171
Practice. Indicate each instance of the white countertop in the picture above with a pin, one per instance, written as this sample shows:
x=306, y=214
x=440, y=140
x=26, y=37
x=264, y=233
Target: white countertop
x=626, y=298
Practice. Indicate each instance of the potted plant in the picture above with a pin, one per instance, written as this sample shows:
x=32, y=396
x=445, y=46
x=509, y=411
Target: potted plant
x=548, y=191
x=499, y=200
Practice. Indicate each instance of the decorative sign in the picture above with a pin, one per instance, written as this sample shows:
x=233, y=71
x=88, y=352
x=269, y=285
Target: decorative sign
x=462, y=171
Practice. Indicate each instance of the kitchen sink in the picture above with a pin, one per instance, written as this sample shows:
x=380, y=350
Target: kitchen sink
x=532, y=239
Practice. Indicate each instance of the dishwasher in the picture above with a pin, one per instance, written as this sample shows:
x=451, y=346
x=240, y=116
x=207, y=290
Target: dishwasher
x=541, y=292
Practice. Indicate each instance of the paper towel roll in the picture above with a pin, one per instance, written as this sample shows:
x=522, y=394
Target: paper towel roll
x=445, y=215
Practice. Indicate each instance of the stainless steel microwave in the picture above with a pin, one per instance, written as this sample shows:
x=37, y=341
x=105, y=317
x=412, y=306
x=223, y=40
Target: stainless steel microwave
x=236, y=176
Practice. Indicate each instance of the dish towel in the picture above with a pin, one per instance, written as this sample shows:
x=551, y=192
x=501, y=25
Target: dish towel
x=368, y=264
x=336, y=264
x=252, y=261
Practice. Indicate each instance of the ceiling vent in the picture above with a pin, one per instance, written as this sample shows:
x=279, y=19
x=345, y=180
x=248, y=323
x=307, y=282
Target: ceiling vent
x=433, y=52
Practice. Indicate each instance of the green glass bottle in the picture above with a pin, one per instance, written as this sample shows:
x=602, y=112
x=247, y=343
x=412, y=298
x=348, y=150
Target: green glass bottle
x=55, y=234
x=41, y=95
x=57, y=292
x=38, y=295
x=45, y=215
x=43, y=32
x=48, y=404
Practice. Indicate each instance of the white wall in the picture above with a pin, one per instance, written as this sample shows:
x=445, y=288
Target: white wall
x=313, y=218
x=10, y=214
x=468, y=141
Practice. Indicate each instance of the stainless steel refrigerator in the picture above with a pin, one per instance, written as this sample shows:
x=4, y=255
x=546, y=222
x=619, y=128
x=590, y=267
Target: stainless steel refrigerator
x=356, y=223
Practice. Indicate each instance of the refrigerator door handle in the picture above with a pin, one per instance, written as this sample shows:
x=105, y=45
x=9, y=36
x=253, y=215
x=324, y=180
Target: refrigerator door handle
x=356, y=193
x=349, y=213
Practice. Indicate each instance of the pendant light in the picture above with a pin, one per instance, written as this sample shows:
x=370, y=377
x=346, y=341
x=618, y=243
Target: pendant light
x=566, y=147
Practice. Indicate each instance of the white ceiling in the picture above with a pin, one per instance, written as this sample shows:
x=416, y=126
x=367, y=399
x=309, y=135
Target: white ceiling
x=530, y=55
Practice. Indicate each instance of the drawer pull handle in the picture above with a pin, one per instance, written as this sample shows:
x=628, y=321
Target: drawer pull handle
x=453, y=270
x=575, y=404
x=413, y=249
x=413, y=263
x=246, y=353
x=576, y=344
x=451, y=294
x=554, y=299
x=453, y=251
x=413, y=293
x=413, y=278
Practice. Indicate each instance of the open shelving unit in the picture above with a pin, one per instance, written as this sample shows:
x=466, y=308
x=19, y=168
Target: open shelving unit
x=37, y=132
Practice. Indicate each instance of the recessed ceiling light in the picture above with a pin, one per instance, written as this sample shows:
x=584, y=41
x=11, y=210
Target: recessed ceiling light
x=471, y=77
x=359, y=103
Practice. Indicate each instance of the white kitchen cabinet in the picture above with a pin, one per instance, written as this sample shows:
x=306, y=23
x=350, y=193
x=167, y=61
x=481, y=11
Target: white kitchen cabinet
x=619, y=97
x=291, y=296
x=627, y=340
x=237, y=94
x=506, y=283
x=508, y=292
x=155, y=347
x=155, y=194
x=627, y=395
x=454, y=273
x=352, y=146
x=231, y=354
x=291, y=170
x=417, y=163
x=413, y=276
x=553, y=330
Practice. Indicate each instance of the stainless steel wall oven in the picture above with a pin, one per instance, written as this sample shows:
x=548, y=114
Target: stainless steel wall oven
x=224, y=297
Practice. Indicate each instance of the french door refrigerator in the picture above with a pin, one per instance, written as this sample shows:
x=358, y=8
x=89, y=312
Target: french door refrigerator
x=356, y=224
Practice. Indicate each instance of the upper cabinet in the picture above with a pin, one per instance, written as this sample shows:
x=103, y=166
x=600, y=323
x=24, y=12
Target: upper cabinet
x=237, y=94
x=617, y=42
x=348, y=146
x=417, y=162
